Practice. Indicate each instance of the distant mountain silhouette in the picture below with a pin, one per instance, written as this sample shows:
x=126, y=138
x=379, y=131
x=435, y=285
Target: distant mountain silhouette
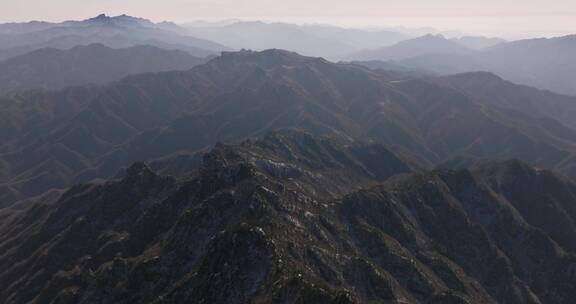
x=543, y=63
x=122, y=20
x=478, y=42
x=118, y=32
x=91, y=64
x=313, y=40
x=429, y=44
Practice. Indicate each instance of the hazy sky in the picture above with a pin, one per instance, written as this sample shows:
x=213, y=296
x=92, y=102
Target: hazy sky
x=493, y=17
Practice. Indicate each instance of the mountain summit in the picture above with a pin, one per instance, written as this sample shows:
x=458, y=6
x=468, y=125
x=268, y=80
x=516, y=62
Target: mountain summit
x=121, y=20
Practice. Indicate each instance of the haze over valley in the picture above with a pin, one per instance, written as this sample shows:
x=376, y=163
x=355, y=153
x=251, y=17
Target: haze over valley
x=258, y=153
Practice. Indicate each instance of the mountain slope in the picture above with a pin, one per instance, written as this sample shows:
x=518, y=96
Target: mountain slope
x=91, y=64
x=544, y=63
x=94, y=132
x=255, y=223
x=493, y=89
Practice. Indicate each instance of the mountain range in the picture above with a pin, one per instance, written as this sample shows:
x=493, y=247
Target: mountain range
x=91, y=64
x=546, y=63
x=420, y=46
x=313, y=40
x=53, y=139
x=116, y=32
x=145, y=162
x=266, y=221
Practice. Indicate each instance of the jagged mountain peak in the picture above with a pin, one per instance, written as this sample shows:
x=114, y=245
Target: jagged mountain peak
x=99, y=17
x=119, y=20
x=140, y=178
x=138, y=169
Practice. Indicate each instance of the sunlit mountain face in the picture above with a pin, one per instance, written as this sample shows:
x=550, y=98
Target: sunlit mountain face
x=281, y=161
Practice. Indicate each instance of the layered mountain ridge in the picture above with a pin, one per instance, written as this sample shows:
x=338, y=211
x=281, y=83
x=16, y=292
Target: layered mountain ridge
x=271, y=177
x=312, y=40
x=116, y=32
x=425, y=45
x=95, y=131
x=91, y=64
x=259, y=222
x=546, y=63
x=149, y=162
